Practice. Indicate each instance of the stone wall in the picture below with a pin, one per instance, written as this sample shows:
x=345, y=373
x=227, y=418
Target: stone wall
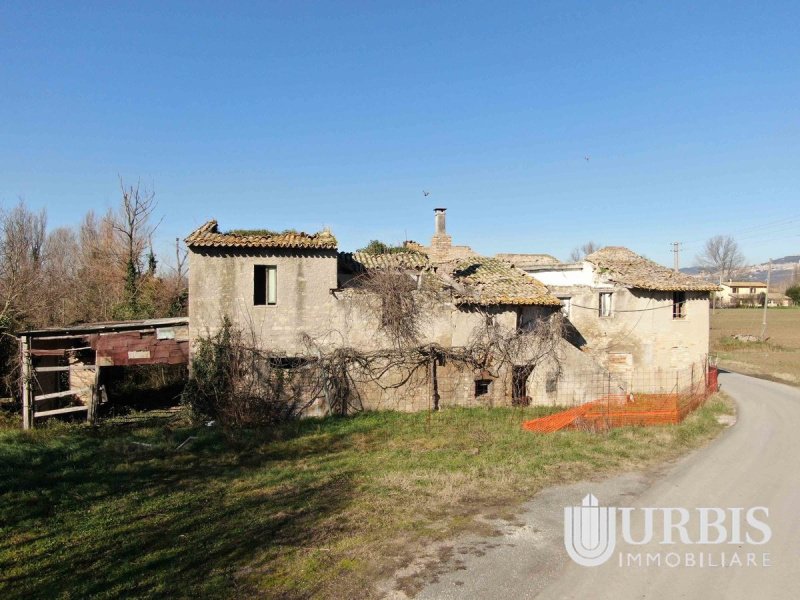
x=221, y=283
x=309, y=303
x=641, y=336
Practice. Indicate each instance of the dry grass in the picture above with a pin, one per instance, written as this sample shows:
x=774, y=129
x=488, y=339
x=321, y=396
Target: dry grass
x=778, y=358
x=318, y=508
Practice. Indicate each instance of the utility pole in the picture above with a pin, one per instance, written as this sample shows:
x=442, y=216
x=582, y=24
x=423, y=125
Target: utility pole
x=676, y=250
x=766, y=301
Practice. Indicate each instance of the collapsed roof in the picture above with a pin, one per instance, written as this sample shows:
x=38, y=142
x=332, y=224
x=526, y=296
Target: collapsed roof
x=625, y=267
x=475, y=280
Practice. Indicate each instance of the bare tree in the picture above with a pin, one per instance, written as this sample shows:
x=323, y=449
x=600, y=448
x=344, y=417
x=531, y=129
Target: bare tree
x=132, y=222
x=22, y=240
x=61, y=286
x=580, y=252
x=101, y=269
x=721, y=255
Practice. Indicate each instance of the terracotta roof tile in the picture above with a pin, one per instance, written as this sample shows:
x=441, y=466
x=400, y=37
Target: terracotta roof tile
x=361, y=261
x=524, y=261
x=496, y=281
x=744, y=283
x=627, y=268
x=475, y=280
x=208, y=235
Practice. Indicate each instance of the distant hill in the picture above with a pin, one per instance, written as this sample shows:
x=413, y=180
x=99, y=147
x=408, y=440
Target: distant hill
x=784, y=270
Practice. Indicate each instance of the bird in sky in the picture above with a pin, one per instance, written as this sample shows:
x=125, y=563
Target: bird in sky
x=586, y=158
x=426, y=194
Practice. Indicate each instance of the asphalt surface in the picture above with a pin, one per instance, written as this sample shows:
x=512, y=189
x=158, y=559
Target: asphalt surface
x=756, y=462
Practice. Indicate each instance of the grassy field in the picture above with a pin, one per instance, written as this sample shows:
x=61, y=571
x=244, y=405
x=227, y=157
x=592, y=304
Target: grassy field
x=318, y=508
x=777, y=358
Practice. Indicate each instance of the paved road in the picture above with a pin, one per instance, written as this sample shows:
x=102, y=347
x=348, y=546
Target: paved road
x=754, y=463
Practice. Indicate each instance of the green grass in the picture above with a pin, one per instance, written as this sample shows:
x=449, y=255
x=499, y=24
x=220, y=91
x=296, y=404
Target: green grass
x=316, y=508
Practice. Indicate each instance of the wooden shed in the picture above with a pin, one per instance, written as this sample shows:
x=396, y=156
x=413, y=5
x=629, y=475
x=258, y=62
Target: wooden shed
x=61, y=366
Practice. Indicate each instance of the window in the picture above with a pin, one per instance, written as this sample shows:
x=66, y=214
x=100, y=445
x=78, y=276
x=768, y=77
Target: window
x=524, y=320
x=605, y=304
x=265, y=285
x=482, y=387
x=678, y=305
x=566, y=305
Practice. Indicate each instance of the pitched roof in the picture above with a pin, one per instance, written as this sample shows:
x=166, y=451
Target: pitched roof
x=627, y=268
x=744, y=283
x=208, y=235
x=497, y=282
x=525, y=261
x=475, y=280
x=356, y=262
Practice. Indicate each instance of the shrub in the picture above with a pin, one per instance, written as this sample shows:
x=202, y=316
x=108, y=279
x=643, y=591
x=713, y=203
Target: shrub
x=794, y=293
x=241, y=385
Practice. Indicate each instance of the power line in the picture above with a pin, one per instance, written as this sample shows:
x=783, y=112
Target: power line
x=633, y=310
x=757, y=230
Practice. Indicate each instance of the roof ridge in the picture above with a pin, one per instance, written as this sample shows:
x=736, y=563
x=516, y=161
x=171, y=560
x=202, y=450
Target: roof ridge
x=208, y=235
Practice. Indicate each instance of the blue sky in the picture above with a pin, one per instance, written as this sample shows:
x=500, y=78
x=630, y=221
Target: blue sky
x=297, y=114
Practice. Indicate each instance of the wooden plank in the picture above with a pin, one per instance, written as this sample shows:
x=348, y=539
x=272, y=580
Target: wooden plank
x=27, y=393
x=56, y=352
x=60, y=337
x=64, y=368
x=42, y=352
x=74, y=392
x=61, y=411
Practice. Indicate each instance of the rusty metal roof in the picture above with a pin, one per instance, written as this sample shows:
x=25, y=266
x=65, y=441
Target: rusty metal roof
x=106, y=326
x=208, y=235
x=625, y=267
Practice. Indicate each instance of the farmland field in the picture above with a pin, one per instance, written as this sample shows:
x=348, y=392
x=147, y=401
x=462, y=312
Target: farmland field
x=777, y=358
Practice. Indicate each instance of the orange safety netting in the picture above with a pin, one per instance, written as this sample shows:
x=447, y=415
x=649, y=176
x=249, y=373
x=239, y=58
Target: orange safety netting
x=628, y=409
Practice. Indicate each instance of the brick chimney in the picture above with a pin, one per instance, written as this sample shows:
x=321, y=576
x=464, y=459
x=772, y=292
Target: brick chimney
x=441, y=242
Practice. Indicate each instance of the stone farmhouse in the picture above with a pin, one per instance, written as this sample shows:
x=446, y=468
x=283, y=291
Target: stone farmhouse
x=640, y=320
x=297, y=295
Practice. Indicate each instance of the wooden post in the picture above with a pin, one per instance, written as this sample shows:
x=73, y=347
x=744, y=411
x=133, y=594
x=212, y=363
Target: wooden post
x=434, y=383
x=26, y=374
x=94, y=399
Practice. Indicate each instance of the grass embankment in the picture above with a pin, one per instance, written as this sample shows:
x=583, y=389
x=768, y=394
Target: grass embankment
x=315, y=508
x=777, y=358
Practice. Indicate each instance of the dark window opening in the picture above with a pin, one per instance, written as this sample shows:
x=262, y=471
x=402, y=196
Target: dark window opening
x=678, y=305
x=265, y=285
x=287, y=362
x=551, y=385
x=519, y=388
x=482, y=387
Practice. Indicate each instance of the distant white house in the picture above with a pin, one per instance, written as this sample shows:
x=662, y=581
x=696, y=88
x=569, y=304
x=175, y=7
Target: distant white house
x=741, y=293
